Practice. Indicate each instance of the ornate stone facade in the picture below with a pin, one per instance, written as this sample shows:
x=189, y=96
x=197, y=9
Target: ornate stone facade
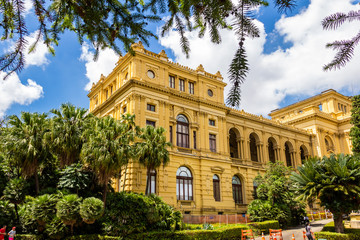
x=218, y=151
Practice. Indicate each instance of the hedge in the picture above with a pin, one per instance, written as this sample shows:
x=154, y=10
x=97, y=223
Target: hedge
x=230, y=233
x=336, y=236
x=28, y=237
x=77, y=237
x=258, y=227
x=330, y=227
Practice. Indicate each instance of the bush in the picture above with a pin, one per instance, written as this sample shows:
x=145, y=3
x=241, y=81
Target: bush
x=67, y=209
x=258, y=227
x=128, y=213
x=7, y=213
x=91, y=209
x=28, y=237
x=336, y=236
x=26, y=216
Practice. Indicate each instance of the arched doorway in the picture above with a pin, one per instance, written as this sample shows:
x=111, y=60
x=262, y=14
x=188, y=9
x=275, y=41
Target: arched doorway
x=253, y=147
x=233, y=143
x=271, y=149
x=288, y=152
x=303, y=154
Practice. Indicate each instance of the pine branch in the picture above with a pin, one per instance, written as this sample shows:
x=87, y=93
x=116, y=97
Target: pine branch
x=238, y=71
x=333, y=21
x=345, y=52
x=285, y=5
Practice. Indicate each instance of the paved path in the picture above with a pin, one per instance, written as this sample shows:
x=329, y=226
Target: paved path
x=316, y=226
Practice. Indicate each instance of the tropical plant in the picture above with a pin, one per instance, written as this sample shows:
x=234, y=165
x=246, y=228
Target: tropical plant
x=128, y=213
x=108, y=146
x=345, y=48
x=65, y=136
x=68, y=210
x=44, y=209
x=26, y=214
x=152, y=151
x=276, y=197
x=105, y=23
x=334, y=181
x=355, y=121
x=75, y=178
x=91, y=209
x=56, y=229
x=7, y=213
x=15, y=193
x=25, y=144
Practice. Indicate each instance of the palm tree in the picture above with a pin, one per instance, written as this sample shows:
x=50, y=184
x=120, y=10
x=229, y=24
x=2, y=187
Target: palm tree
x=152, y=151
x=334, y=181
x=25, y=143
x=65, y=136
x=108, y=146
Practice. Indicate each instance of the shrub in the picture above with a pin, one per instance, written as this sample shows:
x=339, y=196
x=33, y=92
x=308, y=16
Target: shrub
x=28, y=237
x=26, y=216
x=258, y=227
x=330, y=227
x=7, y=213
x=128, y=213
x=56, y=229
x=336, y=236
x=44, y=208
x=91, y=209
x=67, y=209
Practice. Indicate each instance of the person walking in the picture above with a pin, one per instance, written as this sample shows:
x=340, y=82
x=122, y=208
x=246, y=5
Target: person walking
x=308, y=232
x=2, y=232
x=12, y=234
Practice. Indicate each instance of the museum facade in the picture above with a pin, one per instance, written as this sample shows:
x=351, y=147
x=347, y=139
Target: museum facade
x=217, y=151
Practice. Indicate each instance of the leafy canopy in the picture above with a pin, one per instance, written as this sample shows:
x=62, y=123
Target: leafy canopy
x=355, y=120
x=334, y=181
x=111, y=23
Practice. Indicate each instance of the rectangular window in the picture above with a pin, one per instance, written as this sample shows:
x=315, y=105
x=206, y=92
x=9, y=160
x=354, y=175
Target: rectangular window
x=339, y=106
x=124, y=109
x=111, y=90
x=345, y=109
x=194, y=135
x=150, y=123
x=171, y=81
x=171, y=134
x=106, y=94
x=211, y=122
x=182, y=85
x=151, y=107
x=212, y=141
x=191, y=88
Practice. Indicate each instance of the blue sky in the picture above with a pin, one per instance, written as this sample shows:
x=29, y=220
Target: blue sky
x=285, y=62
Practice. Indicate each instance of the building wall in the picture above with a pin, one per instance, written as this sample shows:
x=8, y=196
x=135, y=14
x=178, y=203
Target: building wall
x=143, y=79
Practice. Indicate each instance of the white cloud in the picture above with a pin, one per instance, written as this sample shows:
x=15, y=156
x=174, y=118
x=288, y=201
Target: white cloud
x=294, y=71
x=104, y=64
x=13, y=91
x=39, y=56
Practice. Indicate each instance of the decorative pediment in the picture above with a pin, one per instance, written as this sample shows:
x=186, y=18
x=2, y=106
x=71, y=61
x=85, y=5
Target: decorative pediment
x=217, y=169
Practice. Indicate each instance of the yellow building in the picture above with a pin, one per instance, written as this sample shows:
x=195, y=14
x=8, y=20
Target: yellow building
x=218, y=151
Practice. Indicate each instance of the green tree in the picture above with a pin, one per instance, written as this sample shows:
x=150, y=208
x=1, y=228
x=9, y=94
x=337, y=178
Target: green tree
x=24, y=143
x=75, y=179
x=68, y=210
x=152, y=151
x=65, y=137
x=355, y=120
x=108, y=146
x=108, y=23
x=276, y=197
x=334, y=181
x=15, y=193
x=345, y=48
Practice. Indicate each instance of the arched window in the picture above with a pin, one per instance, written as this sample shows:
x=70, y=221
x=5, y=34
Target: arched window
x=303, y=154
x=271, y=151
x=216, y=186
x=152, y=183
x=237, y=192
x=253, y=148
x=234, y=152
x=287, y=155
x=255, y=186
x=182, y=131
x=184, y=189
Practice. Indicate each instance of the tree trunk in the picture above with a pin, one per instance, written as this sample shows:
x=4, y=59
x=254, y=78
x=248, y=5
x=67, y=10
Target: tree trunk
x=338, y=222
x=105, y=193
x=125, y=177
x=16, y=212
x=147, y=182
x=37, y=183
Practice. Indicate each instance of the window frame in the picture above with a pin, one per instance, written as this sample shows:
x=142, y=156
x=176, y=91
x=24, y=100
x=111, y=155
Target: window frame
x=152, y=180
x=212, y=122
x=212, y=142
x=151, y=107
x=171, y=81
x=191, y=87
x=182, y=85
x=216, y=188
x=237, y=190
x=150, y=123
x=182, y=182
x=182, y=133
